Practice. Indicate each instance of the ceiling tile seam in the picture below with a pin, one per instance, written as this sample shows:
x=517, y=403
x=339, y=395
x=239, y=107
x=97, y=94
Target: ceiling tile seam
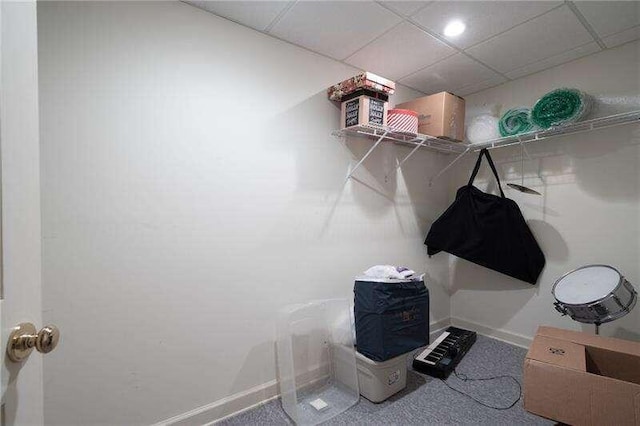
x=403, y=16
x=273, y=36
x=415, y=88
x=422, y=28
x=409, y=21
x=409, y=87
x=324, y=55
x=444, y=41
x=624, y=43
x=550, y=57
x=620, y=32
x=453, y=46
x=373, y=40
x=461, y=88
x=428, y=66
x=219, y=16
x=515, y=26
x=483, y=89
x=279, y=16
x=587, y=26
x=298, y=45
x=403, y=20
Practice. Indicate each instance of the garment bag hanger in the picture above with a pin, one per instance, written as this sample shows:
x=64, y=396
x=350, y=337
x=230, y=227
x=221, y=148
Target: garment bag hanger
x=521, y=187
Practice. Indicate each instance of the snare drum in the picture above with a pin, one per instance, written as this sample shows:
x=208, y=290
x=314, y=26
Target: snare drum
x=594, y=294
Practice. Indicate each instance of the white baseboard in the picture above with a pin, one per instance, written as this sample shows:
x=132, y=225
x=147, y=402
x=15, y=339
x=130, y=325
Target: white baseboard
x=225, y=407
x=437, y=327
x=251, y=398
x=498, y=334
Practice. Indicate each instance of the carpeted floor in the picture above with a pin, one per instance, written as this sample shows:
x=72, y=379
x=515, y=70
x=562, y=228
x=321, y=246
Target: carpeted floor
x=426, y=400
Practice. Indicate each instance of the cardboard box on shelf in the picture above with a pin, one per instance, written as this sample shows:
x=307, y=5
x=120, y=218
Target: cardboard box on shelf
x=363, y=110
x=440, y=115
x=582, y=379
x=364, y=80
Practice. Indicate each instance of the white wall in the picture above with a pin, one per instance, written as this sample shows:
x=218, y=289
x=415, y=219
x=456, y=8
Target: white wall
x=590, y=209
x=185, y=201
x=191, y=187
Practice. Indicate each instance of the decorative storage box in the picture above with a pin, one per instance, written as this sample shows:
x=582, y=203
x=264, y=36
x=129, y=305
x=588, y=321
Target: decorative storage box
x=440, y=115
x=370, y=93
x=364, y=110
x=365, y=80
x=403, y=120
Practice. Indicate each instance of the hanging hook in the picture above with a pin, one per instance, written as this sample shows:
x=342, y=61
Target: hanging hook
x=521, y=187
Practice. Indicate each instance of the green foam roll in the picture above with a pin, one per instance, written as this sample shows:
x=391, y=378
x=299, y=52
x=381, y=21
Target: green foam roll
x=560, y=106
x=515, y=121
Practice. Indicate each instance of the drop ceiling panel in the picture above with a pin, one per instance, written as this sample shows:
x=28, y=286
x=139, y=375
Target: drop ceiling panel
x=552, y=61
x=482, y=19
x=610, y=17
x=476, y=87
x=405, y=8
x=336, y=29
x=622, y=37
x=255, y=14
x=450, y=74
x=400, y=52
x=404, y=40
x=548, y=35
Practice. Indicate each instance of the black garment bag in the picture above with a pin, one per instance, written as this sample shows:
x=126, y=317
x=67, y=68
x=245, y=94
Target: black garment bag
x=488, y=230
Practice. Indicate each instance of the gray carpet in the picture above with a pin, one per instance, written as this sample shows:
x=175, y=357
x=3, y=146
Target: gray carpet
x=426, y=400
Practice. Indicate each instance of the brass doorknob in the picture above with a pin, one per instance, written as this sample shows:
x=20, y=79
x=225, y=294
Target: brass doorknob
x=24, y=338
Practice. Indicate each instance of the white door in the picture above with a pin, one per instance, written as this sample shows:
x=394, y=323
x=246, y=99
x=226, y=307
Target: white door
x=22, y=395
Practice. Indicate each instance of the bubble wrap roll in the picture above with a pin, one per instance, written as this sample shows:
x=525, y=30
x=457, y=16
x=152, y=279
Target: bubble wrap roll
x=515, y=121
x=483, y=128
x=560, y=106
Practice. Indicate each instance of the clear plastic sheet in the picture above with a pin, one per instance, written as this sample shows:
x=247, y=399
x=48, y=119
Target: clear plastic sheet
x=609, y=105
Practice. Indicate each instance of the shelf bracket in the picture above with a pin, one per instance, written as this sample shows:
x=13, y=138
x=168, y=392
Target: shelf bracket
x=449, y=166
x=375, y=145
x=420, y=145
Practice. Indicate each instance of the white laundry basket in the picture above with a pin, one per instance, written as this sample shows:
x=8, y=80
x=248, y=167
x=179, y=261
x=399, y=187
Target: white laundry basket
x=316, y=360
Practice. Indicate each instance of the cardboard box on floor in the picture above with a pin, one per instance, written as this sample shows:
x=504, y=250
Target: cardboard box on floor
x=440, y=115
x=582, y=379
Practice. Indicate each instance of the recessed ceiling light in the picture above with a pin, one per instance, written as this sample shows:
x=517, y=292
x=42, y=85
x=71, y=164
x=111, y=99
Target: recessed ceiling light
x=454, y=28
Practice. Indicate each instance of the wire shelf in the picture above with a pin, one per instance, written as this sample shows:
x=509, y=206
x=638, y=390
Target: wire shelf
x=403, y=138
x=417, y=140
x=567, y=129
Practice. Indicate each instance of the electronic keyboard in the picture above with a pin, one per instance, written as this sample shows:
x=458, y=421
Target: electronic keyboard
x=440, y=358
